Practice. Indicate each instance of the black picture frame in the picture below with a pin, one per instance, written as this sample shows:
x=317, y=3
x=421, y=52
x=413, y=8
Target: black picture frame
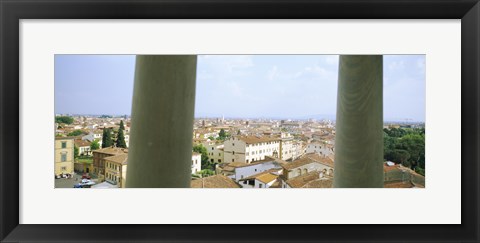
x=12, y=11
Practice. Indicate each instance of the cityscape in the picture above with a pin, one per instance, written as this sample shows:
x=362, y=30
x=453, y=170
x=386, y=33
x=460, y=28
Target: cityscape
x=244, y=150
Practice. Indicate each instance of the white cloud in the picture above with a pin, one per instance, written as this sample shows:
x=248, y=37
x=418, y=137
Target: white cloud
x=421, y=64
x=227, y=64
x=396, y=65
x=332, y=60
x=313, y=71
x=273, y=73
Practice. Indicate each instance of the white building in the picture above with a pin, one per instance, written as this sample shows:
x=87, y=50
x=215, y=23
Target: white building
x=248, y=149
x=127, y=139
x=321, y=148
x=286, y=146
x=264, y=179
x=97, y=134
x=196, y=162
x=83, y=147
x=306, y=164
x=246, y=173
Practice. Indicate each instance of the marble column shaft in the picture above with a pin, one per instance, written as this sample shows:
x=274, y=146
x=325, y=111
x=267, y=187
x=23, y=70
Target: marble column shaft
x=359, y=123
x=160, y=149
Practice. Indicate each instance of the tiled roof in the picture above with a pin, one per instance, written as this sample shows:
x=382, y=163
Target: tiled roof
x=121, y=158
x=81, y=143
x=319, y=183
x=216, y=181
x=307, y=159
x=268, y=177
x=112, y=151
x=302, y=180
x=255, y=139
x=258, y=175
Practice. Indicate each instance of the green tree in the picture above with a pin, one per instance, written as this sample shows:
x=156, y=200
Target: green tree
x=64, y=119
x=206, y=172
x=75, y=151
x=406, y=146
x=211, y=138
x=75, y=133
x=206, y=163
x=414, y=143
x=204, y=156
x=402, y=156
x=222, y=134
x=122, y=127
x=120, y=143
x=94, y=145
x=107, y=139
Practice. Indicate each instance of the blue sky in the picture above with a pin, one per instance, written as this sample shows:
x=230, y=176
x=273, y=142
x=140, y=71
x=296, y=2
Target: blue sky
x=294, y=86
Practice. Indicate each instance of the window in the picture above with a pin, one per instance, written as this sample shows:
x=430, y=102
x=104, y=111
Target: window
x=64, y=157
x=64, y=168
x=64, y=144
x=260, y=185
x=247, y=160
x=219, y=160
x=233, y=144
x=232, y=160
x=233, y=152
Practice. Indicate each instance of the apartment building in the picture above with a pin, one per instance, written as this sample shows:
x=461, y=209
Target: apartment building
x=249, y=149
x=64, y=155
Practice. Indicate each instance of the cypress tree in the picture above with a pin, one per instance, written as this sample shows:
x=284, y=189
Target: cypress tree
x=121, y=139
x=107, y=138
x=122, y=127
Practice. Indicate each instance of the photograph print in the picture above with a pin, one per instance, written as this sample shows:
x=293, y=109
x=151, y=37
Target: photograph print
x=239, y=121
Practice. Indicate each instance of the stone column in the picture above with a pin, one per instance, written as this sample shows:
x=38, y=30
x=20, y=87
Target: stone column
x=359, y=124
x=160, y=149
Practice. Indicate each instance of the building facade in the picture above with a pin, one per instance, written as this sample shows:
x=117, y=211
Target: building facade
x=116, y=169
x=248, y=149
x=196, y=162
x=99, y=159
x=215, y=151
x=64, y=155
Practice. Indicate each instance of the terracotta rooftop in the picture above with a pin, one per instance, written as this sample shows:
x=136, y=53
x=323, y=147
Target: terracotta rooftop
x=302, y=180
x=319, y=183
x=267, y=177
x=112, y=151
x=307, y=159
x=255, y=139
x=264, y=176
x=120, y=159
x=216, y=181
x=81, y=143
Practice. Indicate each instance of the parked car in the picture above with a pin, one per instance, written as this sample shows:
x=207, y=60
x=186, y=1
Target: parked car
x=85, y=183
